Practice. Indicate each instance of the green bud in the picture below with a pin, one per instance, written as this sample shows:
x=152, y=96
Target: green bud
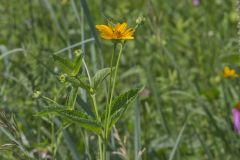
x=140, y=20
x=36, y=94
x=91, y=91
x=62, y=78
x=78, y=52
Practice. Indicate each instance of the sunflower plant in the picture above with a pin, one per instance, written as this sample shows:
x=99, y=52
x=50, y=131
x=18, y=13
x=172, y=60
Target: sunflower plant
x=100, y=122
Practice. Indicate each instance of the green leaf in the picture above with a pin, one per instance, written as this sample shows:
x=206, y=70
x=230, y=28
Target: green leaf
x=76, y=116
x=82, y=119
x=121, y=103
x=79, y=82
x=49, y=110
x=64, y=64
x=72, y=97
x=71, y=68
x=177, y=143
x=77, y=65
x=100, y=76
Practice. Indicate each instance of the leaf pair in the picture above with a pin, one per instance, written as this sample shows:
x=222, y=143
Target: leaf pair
x=69, y=67
x=80, y=81
x=120, y=104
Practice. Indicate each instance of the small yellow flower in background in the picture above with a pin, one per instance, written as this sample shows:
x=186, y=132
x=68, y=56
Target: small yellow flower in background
x=63, y=2
x=228, y=72
x=120, y=31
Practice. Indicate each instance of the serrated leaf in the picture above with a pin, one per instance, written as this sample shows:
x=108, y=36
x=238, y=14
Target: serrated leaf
x=79, y=82
x=49, y=110
x=69, y=67
x=77, y=65
x=82, y=119
x=75, y=116
x=124, y=99
x=116, y=116
x=72, y=97
x=121, y=103
x=64, y=64
x=100, y=76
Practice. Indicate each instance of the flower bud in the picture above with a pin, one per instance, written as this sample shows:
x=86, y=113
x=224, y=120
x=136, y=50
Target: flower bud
x=78, y=52
x=36, y=94
x=62, y=78
x=140, y=20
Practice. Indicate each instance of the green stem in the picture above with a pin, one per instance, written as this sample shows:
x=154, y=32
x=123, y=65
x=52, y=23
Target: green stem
x=104, y=150
x=95, y=106
x=109, y=90
x=111, y=69
x=98, y=118
x=100, y=145
x=111, y=87
x=108, y=98
x=112, y=91
x=73, y=97
x=88, y=74
x=93, y=97
x=53, y=135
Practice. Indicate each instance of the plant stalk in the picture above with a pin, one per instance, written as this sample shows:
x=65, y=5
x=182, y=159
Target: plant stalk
x=111, y=87
x=93, y=97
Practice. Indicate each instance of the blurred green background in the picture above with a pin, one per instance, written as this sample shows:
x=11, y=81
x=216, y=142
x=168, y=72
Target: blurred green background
x=178, y=54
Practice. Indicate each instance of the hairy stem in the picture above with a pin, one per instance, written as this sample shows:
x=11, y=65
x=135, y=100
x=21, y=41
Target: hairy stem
x=111, y=87
x=93, y=97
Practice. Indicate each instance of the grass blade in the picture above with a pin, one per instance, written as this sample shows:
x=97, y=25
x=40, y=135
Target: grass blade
x=177, y=143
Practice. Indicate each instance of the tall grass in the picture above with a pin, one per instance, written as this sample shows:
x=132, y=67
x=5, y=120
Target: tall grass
x=178, y=54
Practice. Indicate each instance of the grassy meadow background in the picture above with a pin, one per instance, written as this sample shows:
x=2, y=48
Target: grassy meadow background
x=178, y=53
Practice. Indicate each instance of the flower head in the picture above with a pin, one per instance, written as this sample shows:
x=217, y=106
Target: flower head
x=236, y=118
x=228, y=72
x=119, y=32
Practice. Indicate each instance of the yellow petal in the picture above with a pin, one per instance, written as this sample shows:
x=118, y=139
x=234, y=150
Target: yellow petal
x=226, y=69
x=104, y=36
x=117, y=26
x=127, y=37
x=129, y=32
x=120, y=31
x=105, y=29
x=121, y=27
x=232, y=72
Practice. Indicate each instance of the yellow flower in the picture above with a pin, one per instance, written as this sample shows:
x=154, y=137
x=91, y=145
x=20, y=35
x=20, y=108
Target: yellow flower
x=228, y=72
x=120, y=31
